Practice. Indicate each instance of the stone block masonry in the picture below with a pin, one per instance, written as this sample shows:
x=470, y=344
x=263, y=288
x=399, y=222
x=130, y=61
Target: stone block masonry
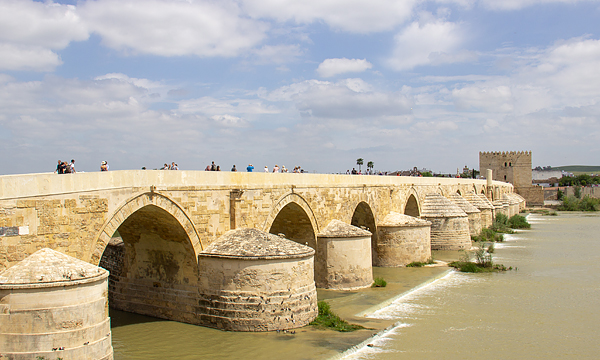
x=166, y=220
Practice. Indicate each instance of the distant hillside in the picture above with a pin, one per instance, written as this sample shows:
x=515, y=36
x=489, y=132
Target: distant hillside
x=578, y=168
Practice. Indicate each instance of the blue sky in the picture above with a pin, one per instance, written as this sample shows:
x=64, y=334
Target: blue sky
x=316, y=83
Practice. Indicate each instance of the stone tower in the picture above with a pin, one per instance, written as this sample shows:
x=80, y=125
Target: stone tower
x=513, y=167
x=508, y=166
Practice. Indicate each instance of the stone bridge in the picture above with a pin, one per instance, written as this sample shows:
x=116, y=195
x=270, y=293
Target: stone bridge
x=166, y=218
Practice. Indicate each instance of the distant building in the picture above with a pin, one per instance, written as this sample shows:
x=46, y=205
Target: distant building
x=513, y=167
x=537, y=175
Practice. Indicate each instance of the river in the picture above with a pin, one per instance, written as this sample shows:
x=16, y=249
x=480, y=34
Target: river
x=545, y=309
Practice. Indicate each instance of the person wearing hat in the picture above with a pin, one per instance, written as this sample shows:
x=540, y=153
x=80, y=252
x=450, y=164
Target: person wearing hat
x=250, y=168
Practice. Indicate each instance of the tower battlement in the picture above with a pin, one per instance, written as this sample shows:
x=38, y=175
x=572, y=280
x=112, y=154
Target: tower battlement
x=504, y=153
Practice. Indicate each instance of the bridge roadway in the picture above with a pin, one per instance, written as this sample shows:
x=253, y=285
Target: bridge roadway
x=166, y=218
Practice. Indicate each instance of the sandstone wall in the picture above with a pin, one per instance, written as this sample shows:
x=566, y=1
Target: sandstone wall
x=348, y=263
x=399, y=246
x=256, y=295
x=37, y=321
x=450, y=233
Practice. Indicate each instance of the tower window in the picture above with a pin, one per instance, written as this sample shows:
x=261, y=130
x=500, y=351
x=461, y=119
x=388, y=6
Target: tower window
x=504, y=164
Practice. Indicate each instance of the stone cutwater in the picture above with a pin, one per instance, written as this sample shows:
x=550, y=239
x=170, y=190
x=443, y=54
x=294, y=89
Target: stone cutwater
x=54, y=306
x=449, y=224
x=403, y=239
x=346, y=251
x=472, y=212
x=485, y=207
x=251, y=280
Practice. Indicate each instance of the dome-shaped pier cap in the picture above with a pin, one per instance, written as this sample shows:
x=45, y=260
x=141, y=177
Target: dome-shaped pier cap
x=484, y=205
x=51, y=300
x=253, y=244
x=449, y=224
x=251, y=280
x=473, y=213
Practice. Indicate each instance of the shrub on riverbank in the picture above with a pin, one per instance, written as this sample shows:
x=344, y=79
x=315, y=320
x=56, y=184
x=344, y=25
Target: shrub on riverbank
x=571, y=203
x=328, y=320
x=518, y=222
x=488, y=235
x=483, y=260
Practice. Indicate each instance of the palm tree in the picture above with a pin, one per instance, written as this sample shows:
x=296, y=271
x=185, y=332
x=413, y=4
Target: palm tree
x=370, y=165
x=359, y=162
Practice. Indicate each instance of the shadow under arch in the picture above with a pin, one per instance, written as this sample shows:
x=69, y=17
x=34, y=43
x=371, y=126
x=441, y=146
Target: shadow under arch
x=412, y=207
x=363, y=218
x=293, y=217
x=458, y=192
x=154, y=265
x=136, y=203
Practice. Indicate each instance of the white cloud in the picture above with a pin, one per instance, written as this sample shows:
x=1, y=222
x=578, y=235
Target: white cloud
x=484, y=98
x=27, y=58
x=210, y=106
x=333, y=67
x=345, y=100
x=46, y=25
x=429, y=43
x=277, y=54
x=348, y=15
x=143, y=83
x=173, y=28
x=30, y=31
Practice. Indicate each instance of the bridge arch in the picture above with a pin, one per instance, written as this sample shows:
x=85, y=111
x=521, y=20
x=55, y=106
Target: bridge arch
x=364, y=217
x=158, y=253
x=136, y=203
x=412, y=207
x=293, y=217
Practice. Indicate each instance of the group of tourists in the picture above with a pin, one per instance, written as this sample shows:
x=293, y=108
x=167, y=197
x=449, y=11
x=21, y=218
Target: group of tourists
x=276, y=169
x=213, y=167
x=65, y=168
x=173, y=166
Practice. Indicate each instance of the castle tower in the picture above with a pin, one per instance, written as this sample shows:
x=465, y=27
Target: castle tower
x=508, y=166
x=513, y=167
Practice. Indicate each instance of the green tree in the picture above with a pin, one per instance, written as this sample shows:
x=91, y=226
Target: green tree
x=370, y=165
x=359, y=162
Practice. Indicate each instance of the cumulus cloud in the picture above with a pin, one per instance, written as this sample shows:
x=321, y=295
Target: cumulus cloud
x=173, y=28
x=31, y=32
x=346, y=99
x=276, y=54
x=429, y=43
x=353, y=16
x=484, y=98
x=27, y=58
x=333, y=67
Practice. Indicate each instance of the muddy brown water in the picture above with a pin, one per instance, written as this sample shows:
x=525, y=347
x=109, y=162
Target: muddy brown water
x=547, y=309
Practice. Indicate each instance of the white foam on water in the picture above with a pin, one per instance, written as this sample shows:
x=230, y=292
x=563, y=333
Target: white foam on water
x=407, y=306
x=405, y=309
x=375, y=345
